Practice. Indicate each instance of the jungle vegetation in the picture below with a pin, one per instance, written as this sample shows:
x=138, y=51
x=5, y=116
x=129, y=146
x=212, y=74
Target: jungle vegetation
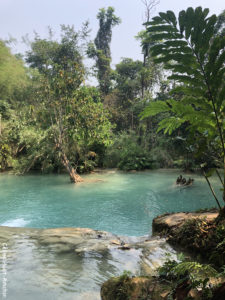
x=166, y=110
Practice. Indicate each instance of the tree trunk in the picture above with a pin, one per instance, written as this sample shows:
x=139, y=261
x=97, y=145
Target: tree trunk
x=74, y=177
x=212, y=190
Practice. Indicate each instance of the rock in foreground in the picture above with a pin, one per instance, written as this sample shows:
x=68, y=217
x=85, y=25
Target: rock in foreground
x=126, y=288
x=152, y=288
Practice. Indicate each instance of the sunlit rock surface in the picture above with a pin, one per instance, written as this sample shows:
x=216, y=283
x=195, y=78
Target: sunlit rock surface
x=164, y=223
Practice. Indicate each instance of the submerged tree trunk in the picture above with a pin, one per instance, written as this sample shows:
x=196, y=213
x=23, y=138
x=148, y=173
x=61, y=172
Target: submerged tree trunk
x=74, y=177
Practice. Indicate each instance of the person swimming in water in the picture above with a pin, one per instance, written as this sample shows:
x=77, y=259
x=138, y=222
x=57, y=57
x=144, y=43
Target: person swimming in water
x=182, y=181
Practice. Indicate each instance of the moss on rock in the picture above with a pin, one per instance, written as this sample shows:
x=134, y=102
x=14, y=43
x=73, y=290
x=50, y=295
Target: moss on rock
x=201, y=233
x=134, y=288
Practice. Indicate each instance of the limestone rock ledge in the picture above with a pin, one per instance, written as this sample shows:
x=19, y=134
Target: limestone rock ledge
x=164, y=224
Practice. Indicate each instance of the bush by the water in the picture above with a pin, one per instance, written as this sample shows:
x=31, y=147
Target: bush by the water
x=127, y=153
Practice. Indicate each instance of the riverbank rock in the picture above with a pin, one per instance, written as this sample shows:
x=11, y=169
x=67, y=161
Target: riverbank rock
x=201, y=234
x=165, y=224
x=192, y=231
x=155, y=288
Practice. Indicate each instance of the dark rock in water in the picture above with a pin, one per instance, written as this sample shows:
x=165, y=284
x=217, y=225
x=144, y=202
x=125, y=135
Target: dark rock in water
x=125, y=247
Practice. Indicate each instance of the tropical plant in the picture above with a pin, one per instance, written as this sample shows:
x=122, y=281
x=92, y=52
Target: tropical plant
x=193, y=53
x=189, y=275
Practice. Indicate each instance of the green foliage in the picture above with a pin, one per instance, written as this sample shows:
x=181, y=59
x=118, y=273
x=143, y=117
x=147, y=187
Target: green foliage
x=203, y=237
x=59, y=62
x=124, y=103
x=13, y=76
x=122, y=287
x=194, y=269
x=73, y=113
x=4, y=109
x=87, y=126
x=132, y=82
x=5, y=156
x=128, y=80
x=195, y=274
x=100, y=50
x=135, y=160
x=192, y=50
x=200, y=72
x=47, y=109
x=161, y=158
x=220, y=25
x=166, y=270
x=126, y=154
x=89, y=118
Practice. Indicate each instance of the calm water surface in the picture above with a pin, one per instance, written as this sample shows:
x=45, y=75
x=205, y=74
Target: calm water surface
x=123, y=204
x=120, y=203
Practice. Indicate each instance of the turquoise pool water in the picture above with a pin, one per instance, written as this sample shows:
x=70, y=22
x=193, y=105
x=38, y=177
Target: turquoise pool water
x=121, y=203
x=113, y=201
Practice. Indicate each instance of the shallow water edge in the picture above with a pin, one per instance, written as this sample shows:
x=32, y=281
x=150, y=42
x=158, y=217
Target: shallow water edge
x=72, y=263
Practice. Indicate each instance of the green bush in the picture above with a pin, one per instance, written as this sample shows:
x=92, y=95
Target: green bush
x=190, y=273
x=161, y=158
x=127, y=153
x=135, y=160
x=5, y=156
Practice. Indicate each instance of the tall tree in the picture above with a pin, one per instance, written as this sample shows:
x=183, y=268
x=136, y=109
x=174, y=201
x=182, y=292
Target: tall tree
x=191, y=49
x=60, y=64
x=125, y=98
x=150, y=6
x=13, y=82
x=100, y=49
x=13, y=75
x=72, y=111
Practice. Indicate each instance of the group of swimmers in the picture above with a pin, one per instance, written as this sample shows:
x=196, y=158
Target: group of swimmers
x=182, y=181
